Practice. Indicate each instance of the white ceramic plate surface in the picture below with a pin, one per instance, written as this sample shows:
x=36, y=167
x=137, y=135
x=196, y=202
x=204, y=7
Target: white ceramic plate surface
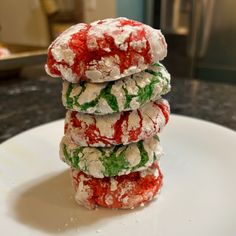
x=198, y=196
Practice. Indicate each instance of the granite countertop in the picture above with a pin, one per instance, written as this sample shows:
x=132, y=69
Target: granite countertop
x=28, y=102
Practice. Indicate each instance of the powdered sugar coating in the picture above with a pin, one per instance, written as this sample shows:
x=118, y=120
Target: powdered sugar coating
x=125, y=94
x=131, y=191
x=117, y=128
x=111, y=161
x=105, y=50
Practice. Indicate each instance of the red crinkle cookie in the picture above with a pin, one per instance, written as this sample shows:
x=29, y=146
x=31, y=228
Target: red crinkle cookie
x=126, y=191
x=117, y=128
x=105, y=50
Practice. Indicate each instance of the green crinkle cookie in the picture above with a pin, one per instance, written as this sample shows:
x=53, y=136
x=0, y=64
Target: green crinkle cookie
x=128, y=93
x=102, y=162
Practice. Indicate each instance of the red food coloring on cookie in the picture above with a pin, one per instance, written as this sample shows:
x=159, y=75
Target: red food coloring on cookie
x=150, y=118
x=96, y=48
x=134, y=133
x=94, y=136
x=131, y=190
x=118, y=131
x=74, y=121
x=50, y=63
x=65, y=128
x=165, y=110
x=124, y=22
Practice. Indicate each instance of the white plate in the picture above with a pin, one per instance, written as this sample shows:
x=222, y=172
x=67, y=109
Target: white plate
x=198, y=197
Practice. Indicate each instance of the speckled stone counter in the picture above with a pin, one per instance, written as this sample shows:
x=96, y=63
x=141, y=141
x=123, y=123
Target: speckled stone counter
x=28, y=102
x=211, y=101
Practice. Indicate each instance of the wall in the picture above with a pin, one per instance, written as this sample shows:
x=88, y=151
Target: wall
x=98, y=9
x=23, y=22
x=133, y=9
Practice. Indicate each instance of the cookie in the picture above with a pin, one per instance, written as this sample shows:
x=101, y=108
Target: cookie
x=120, y=192
x=117, y=128
x=103, y=162
x=104, y=50
x=126, y=94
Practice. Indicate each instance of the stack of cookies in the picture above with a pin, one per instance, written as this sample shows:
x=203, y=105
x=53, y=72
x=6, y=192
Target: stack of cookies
x=112, y=88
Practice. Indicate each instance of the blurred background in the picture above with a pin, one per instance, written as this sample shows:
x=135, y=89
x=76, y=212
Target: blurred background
x=201, y=34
